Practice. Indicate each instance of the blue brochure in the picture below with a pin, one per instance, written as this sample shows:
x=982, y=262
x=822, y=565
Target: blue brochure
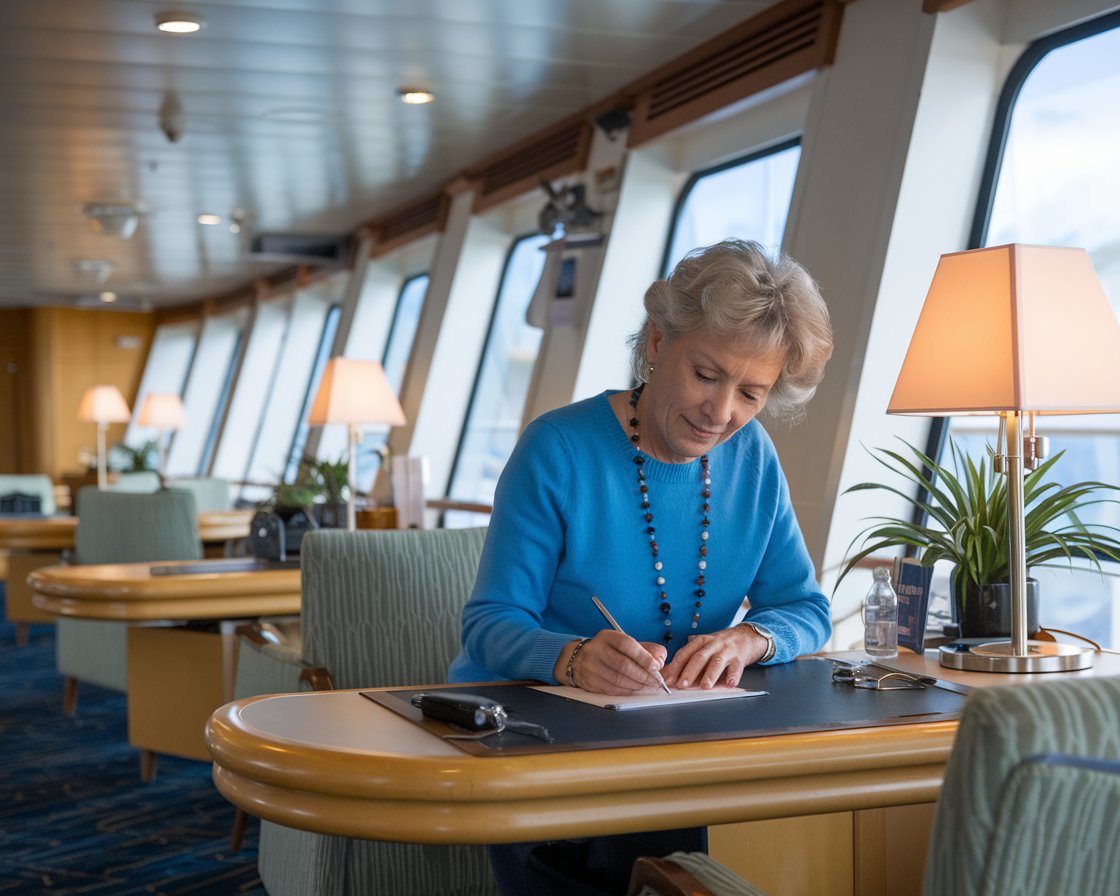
x=911, y=584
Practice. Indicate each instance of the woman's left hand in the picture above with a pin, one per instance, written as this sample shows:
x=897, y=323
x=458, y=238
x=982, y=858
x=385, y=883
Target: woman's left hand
x=716, y=659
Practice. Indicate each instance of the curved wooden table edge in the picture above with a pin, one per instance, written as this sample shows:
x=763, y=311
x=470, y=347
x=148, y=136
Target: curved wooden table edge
x=129, y=592
x=456, y=798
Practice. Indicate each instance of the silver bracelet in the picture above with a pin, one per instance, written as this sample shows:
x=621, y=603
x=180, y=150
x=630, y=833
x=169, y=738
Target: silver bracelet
x=771, y=643
x=569, y=670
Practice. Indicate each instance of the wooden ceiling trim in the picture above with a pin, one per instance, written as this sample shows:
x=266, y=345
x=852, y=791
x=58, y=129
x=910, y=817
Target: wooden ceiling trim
x=555, y=153
x=936, y=6
x=778, y=44
x=409, y=223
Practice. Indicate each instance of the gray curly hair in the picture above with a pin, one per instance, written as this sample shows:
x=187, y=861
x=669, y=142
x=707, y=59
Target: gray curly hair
x=737, y=291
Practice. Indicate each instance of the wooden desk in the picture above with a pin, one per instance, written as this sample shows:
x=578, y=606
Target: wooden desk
x=177, y=676
x=35, y=542
x=857, y=800
x=131, y=592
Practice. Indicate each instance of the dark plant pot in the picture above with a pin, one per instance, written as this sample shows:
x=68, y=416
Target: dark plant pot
x=330, y=516
x=985, y=612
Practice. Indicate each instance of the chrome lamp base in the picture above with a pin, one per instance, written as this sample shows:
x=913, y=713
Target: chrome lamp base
x=1000, y=656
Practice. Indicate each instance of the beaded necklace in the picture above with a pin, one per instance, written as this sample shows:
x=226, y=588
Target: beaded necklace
x=647, y=515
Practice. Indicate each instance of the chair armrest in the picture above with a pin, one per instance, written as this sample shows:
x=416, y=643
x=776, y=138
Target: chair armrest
x=266, y=664
x=652, y=876
x=687, y=874
x=317, y=679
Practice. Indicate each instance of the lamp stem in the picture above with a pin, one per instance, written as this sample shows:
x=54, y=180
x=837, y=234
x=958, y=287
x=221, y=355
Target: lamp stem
x=162, y=443
x=1018, y=543
x=102, y=472
x=352, y=476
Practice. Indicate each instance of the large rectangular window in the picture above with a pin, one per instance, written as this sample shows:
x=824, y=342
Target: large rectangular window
x=206, y=384
x=289, y=385
x=493, y=420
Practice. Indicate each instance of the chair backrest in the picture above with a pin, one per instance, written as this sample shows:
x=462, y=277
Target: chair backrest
x=135, y=481
x=209, y=493
x=381, y=608
x=128, y=527
x=34, y=484
x=1016, y=814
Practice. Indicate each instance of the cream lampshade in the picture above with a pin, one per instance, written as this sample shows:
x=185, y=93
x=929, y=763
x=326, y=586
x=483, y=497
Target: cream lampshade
x=1015, y=331
x=162, y=411
x=355, y=393
x=103, y=405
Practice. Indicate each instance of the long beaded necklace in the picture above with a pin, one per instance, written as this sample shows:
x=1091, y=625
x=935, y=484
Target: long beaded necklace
x=647, y=513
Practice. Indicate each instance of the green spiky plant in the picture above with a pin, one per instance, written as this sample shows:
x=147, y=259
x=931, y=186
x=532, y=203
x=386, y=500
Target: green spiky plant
x=967, y=517
x=329, y=477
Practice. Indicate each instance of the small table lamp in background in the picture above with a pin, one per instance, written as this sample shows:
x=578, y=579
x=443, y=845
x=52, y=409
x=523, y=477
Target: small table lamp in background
x=1016, y=331
x=162, y=411
x=103, y=405
x=354, y=393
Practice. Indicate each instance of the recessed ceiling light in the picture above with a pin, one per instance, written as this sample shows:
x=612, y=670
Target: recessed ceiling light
x=178, y=22
x=107, y=297
x=414, y=96
x=91, y=271
x=209, y=219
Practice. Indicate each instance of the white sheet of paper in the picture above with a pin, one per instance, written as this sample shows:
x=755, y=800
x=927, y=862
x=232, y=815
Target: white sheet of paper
x=641, y=701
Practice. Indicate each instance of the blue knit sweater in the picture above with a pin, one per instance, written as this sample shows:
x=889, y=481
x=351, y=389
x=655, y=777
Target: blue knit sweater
x=567, y=524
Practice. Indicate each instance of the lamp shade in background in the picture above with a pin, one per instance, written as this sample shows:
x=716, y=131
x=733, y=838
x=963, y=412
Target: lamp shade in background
x=1013, y=330
x=162, y=411
x=103, y=405
x=355, y=393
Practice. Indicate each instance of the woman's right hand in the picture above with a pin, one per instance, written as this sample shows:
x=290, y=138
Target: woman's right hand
x=613, y=663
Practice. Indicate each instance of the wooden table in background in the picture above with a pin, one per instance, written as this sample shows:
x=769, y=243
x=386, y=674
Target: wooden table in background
x=177, y=674
x=34, y=542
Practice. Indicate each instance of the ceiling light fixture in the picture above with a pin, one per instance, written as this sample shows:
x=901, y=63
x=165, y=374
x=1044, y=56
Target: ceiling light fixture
x=91, y=271
x=113, y=219
x=178, y=22
x=108, y=297
x=209, y=219
x=414, y=96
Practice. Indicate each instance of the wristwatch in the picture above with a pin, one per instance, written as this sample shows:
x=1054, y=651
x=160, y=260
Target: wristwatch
x=771, y=645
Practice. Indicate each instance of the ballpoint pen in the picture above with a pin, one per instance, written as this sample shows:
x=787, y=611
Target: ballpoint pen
x=618, y=628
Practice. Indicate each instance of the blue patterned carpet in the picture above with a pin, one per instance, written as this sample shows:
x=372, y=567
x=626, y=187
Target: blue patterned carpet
x=74, y=817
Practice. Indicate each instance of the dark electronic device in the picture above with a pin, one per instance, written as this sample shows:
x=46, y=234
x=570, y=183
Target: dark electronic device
x=473, y=713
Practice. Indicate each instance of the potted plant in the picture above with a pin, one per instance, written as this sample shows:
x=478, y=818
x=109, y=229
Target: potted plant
x=330, y=479
x=124, y=458
x=966, y=523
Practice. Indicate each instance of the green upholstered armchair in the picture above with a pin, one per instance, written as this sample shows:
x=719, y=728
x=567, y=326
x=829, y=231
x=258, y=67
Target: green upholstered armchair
x=1030, y=802
x=119, y=527
x=144, y=481
x=1031, y=799
x=210, y=493
x=379, y=608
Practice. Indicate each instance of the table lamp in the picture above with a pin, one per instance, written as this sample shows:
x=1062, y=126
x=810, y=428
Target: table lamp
x=1017, y=331
x=354, y=393
x=162, y=411
x=103, y=405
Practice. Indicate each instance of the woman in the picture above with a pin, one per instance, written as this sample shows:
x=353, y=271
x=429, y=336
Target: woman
x=730, y=332
x=667, y=502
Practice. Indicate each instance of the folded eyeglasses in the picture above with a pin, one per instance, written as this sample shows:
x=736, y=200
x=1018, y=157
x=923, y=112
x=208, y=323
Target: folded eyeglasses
x=860, y=677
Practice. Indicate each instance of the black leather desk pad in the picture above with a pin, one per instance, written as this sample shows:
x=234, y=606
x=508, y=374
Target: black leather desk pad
x=225, y=564
x=801, y=696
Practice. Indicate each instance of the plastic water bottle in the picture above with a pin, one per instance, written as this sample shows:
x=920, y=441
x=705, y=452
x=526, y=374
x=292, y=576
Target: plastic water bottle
x=880, y=617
